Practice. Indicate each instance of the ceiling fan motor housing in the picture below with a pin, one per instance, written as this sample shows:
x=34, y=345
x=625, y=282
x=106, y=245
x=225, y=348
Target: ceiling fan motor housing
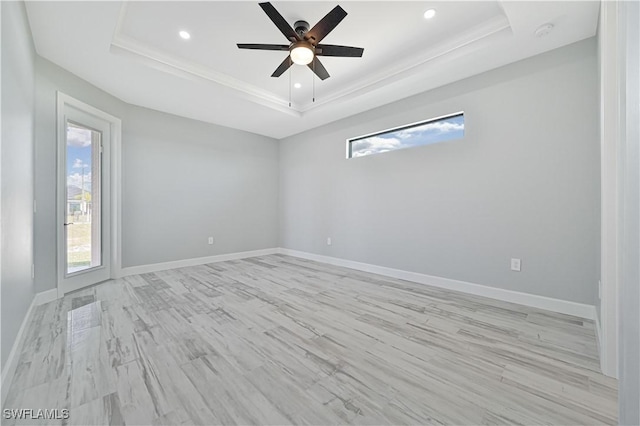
x=301, y=27
x=304, y=43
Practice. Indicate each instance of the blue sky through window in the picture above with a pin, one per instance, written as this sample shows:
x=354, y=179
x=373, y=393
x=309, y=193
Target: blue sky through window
x=435, y=131
x=79, y=157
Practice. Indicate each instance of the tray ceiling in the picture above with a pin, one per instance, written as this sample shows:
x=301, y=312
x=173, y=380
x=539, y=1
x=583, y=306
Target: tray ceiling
x=132, y=50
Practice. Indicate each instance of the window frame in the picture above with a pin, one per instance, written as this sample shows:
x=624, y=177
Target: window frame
x=350, y=141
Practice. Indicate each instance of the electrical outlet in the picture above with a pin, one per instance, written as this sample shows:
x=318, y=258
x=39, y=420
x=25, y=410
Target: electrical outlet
x=329, y=241
x=210, y=240
x=515, y=265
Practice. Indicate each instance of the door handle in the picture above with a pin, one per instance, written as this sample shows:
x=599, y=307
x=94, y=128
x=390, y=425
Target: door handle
x=65, y=224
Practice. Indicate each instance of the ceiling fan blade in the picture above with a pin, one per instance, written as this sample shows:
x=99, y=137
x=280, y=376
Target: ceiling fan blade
x=280, y=22
x=282, y=67
x=344, y=51
x=326, y=25
x=317, y=67
x=263, y=46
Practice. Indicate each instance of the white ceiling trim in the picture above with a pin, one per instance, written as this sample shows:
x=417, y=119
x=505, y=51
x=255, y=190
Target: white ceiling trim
x=468, y=41
x=154, y=59
x=126, y=46
x=127, y=51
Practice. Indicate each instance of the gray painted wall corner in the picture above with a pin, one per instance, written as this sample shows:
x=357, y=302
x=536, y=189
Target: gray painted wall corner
x=186, y=180
x=210, y=187
x=17, y=171
x=522, y=183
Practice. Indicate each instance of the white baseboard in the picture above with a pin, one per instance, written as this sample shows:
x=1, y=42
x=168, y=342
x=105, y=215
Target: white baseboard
x=45, y=297
x=143, y=269
x=541, y=302
x=9, y=369
x=526, y=299
x=598, y=328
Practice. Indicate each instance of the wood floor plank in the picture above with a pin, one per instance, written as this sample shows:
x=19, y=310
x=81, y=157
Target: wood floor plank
x=281, y=340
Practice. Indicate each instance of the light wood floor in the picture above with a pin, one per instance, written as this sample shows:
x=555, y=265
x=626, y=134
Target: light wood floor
x=280, y=340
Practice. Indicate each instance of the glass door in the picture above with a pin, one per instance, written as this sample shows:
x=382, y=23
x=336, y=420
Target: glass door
x=83, y=222
x=83, y=200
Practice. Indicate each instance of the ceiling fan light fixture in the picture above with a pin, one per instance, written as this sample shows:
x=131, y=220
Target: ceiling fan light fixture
x=302, y=53
x=304, y=44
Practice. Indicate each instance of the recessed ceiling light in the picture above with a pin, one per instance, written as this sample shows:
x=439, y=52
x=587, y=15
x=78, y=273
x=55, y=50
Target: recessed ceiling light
x=429, y=14
x=297, y=85
x=185, y=35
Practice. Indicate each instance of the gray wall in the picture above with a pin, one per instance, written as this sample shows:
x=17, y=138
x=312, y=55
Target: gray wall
x=629, y=207
x=601, y=73
x=523, y=183
x=185, y=180
x=17, y=171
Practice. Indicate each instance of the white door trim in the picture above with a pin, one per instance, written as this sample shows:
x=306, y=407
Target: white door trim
x=608, y=33
x=114, y=172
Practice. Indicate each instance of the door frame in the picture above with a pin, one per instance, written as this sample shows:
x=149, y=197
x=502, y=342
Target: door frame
x=607, y=322
x=63, y=100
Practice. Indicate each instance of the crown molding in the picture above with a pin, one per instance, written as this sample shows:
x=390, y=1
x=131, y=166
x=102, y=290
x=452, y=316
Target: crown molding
x=467, y=42
x=473, y=39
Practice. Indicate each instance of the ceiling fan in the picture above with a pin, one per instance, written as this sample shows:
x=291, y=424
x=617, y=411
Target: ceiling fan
x=305, y=47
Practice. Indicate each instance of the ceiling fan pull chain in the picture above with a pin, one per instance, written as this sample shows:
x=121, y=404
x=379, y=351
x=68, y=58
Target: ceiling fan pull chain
x=304, y=43
x=313, y=81
x=289, y=81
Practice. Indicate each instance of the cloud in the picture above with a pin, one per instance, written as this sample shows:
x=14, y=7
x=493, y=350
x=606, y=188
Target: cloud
x=78, y=137
x=75, y=179
x=437, y=126
x=78, y=164
x=425, y=134
x=374, y=145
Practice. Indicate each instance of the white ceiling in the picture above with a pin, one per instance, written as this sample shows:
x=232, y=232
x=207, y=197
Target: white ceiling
x=132, y=50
